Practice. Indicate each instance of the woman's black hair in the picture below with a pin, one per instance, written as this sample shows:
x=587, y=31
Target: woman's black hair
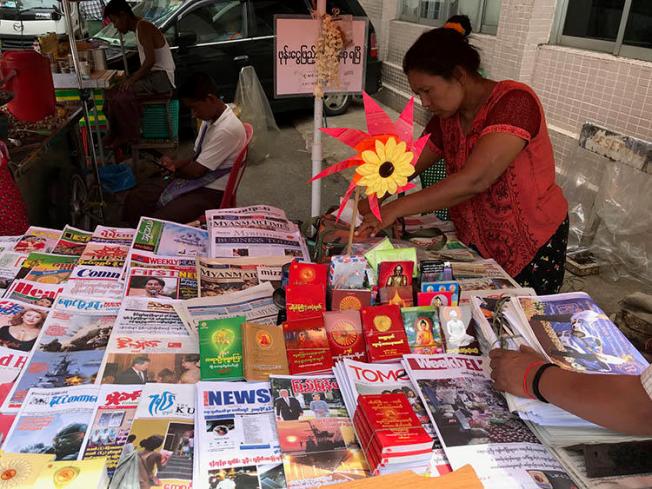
x=152, y=443
x=439, y=51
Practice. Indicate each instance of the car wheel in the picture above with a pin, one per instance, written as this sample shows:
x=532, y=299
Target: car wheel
x=336, y=104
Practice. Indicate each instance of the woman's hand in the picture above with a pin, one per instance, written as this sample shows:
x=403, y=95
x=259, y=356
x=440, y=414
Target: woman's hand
x=126, y=84
x=508, y=368
x=371, y=226
x=363, y=208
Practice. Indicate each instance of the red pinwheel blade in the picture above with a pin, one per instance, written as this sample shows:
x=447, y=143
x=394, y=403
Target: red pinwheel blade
x=345, y=199
x=337, y=167
x=349, y=136
x=375, y=208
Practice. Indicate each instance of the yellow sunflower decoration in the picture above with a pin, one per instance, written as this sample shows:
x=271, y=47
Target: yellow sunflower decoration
x=386, y=169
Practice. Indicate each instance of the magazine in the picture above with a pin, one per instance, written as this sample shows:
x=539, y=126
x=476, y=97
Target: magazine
x=572, y=331
x=169, y=238
x=53, y=421
x=315, y=433
x=70, y=347
x=38, y=239
x=11, y=364
x=40, y=294
x=47, y=268
x=255, y=304
x=72, y=241
x=164, y=423
x=355, y=378
x=224, y=276
x=474, y=423
x=237, y=438
x=104, y=255
x=162, y=283
x=150, y=343
x=240, y=242
x=121, y=236
x=114, y=413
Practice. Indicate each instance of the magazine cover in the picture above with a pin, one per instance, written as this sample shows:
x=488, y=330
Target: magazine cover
x=104, y=255
x=169, y=239
x=255, y=304
x=72, y=241
x=20, y=324
x=574, y=332
x=474, y=423
x=163, y=435
x=38, y=239
x=121, y=236
x=219, y=276
x=162, y=283
x=149, y=343
x=6, y=421
x=47, y=268
x=53, y=421
x=316, y=436
x=70, y=347
x=146, y=259
x=39, y=294
x=236, y=434
x=109, y=430
x=11, y=364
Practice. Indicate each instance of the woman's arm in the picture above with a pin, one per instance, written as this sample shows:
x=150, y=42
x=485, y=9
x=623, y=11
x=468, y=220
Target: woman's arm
x=146, y=35
x=617, y=402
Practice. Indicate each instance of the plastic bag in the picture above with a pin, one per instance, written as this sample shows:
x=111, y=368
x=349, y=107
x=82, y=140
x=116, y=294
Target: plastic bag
x=253, y=107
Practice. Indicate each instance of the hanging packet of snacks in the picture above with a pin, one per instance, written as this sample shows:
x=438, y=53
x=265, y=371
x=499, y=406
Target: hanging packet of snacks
x=329, y=45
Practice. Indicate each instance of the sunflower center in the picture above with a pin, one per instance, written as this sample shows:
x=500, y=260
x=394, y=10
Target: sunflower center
x=386, y=169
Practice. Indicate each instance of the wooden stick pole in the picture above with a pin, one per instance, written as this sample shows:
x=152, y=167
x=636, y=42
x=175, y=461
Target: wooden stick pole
x=356, y=198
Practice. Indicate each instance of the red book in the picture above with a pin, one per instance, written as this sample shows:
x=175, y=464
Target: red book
x=397, y=296
x=307, y=346
x=436, y=299
x=302, y=273
x=350, y=299
x=395, y=273
x=344, y=331
x=305, y=301
x=384, y=333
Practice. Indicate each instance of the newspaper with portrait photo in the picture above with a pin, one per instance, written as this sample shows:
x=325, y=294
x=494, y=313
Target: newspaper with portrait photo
x=162, y=283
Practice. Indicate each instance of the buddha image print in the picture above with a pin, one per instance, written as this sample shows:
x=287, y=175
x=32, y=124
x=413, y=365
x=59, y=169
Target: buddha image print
x=456, y=335
x=397, y=278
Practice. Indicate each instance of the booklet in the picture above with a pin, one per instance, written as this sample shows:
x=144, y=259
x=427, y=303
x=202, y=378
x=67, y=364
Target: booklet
x=264, y=351
x=220, y=348
x=162, y=283
x=24, y=467
x=169, y=238
x=237, y=436
x=423, y=329
x=108, y=432
x=458, y=326
x=474, y=423
x=72, y=241
x=316, y=436
x=150, y=343
x=70, y=347
x=53, y=421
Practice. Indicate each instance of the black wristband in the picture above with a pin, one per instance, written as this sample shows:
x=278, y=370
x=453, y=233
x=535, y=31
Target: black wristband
x=537, y=379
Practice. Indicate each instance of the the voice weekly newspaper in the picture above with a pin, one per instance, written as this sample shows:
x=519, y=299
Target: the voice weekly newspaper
x=475, y=425
x=237, y=436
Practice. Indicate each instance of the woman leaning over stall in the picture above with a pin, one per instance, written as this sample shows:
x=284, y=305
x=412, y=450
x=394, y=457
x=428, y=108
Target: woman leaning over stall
x=500, y=188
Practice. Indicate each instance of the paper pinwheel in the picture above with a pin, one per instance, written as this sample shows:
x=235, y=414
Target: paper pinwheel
x=385, y=155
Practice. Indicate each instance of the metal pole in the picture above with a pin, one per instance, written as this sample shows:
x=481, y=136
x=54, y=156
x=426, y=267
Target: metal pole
x=84, y=101
x=124, y=55
x=316, y=138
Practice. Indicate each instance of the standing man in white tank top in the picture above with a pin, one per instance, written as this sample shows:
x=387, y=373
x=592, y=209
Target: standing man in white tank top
x=155, y=75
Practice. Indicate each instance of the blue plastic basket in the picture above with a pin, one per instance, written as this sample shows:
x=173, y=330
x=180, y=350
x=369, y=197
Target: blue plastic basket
x=117, y=178
x=155, y=125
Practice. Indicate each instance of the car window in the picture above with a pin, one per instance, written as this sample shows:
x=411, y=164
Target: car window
x=264, y=11
x=219, y=21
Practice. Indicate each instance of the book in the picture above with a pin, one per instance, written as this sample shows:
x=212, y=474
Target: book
x=21, y=470
x=302, y=273
x=384, y=333
x=220, y=348
x=437, y=299
x=350, y=299
x=305, y=301
x=423, y=330
x=395, y=273
x=344, y=331
x=307, y=346
x=399, y=296
x=449, y=286
x=73, y=474
x=459, y=330
x=264, y=351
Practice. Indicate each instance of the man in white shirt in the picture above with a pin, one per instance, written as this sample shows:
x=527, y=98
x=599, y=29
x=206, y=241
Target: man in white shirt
x=201, y=179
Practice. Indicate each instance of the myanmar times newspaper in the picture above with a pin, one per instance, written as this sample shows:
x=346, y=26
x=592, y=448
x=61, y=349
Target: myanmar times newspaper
x=218, y=276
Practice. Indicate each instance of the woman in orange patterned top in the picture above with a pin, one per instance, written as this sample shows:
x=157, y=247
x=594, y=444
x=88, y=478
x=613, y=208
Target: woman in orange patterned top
x=500, y=187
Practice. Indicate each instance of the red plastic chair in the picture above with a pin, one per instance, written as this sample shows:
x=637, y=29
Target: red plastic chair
x=237, y=172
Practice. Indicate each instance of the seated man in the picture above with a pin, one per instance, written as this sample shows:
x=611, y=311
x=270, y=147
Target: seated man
x=154, y=77
x=200, y=180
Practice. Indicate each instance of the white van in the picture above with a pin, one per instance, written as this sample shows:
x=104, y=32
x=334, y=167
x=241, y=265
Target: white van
x=22, y=21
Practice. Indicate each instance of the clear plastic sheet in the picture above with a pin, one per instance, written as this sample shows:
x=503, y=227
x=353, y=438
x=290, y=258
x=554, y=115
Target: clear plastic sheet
x=253, y=107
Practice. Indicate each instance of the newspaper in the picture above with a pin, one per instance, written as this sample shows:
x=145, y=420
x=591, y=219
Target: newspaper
x=161, y=283
x=40, y=294
x=121, y=236
x=114, y=413
x=38, y=239
x=255, y=304
x=239, y=242
x=355, y=378
x=316, y=436
x=146, y=259
x=255, y=217
x=149, y=343
x=94, y=287
x=475, y=425
x=72, y=241
x=53, y=421
x=164, y=421
x=169, y=238
x=46, y=267
x=70, y=347
x=104, y=255
x=226, y=275
x=236, y=434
